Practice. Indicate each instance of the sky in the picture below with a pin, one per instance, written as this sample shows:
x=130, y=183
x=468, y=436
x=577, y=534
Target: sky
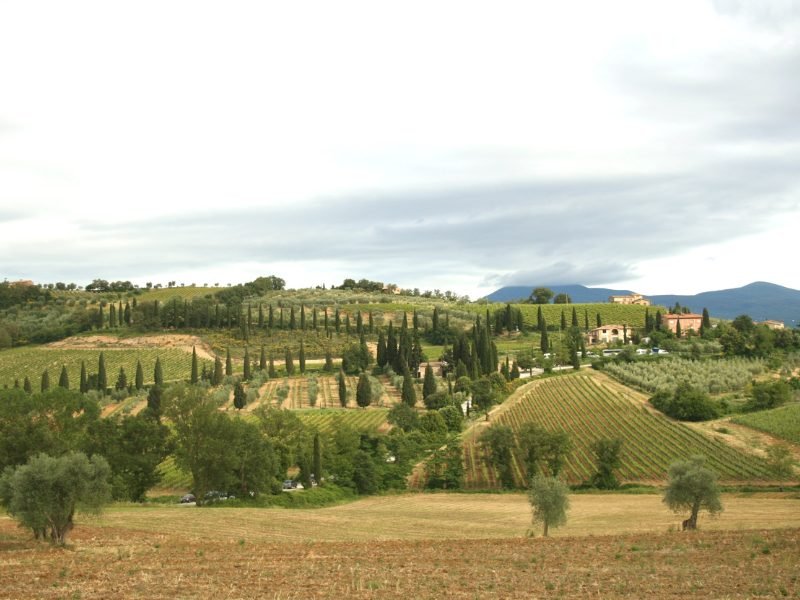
x=652, y=146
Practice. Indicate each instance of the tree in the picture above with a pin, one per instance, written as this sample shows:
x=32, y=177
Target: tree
x=158, y=373
x=216, y=378
x=780, y=461
x=317, y=457
x=246, y=371
x=102, y=381
x=540, y=295
x=606, y=453
x=63, y=380
x=408, y=393
x=562, y=298
x=262, y=360
x=154, y=401
x=83, y=385
x=228, y=362
x=429, y=382
x=194, y=376
x=139, y=375
x=549, y=498
x=45, y=493
x=289, y=362
x=342, y=390
x=239, y=396
x=45, y=381
x=122, y=380
x=691, y=486
x=302, y=357
x=363, y=391
x=499, y=443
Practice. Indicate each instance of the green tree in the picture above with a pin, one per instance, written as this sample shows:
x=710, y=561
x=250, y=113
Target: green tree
x=63, y=380
x=691, y=486
x=289, y=362
x=45, y=381
x=562, y=298
x=102, y=380
x=302, y=357
x=328, y=360
x=317, y=455
x=606, y=452
x=780, y=461
x=158, y=373
x=363, y=391
x=239, y=396
x=408, y=393
x=498, y=442
x=139, y=375
x=428, y=383
x=445, y=468
x=194, y=376
x=541, y=295
x=549, y=498
x=154, y=401
x=83, y=385
x=342, y=390
x=122, y=380
x=262, y=360
x=27, y=385
x=544, y=344
x=228, y=363
x=246, y=372
x=216, y=378
x=46, y=492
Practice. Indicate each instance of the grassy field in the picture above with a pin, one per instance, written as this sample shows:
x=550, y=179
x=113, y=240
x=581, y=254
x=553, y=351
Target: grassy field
x=589, y=406
x=186, y=292
x=31, y=361
x=418, y=546
x=616, y=314
x=782, y=422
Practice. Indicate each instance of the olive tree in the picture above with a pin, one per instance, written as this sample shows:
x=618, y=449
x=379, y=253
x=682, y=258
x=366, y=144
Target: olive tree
x=691, y=486
x=45, y=493
x=549, y=498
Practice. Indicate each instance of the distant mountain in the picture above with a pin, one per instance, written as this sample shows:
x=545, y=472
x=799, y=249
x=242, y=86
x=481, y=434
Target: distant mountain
x=760, y=300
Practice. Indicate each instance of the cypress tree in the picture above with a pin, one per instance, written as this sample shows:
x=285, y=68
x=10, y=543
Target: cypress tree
x=429, y=382
x=127, y=314
x=302, y=317
x=45, y=381
x=16, y=384
x=586, y=319
x=337, y=320
x=347, y=323
x=325, y=319
x=678, y=332
x=112, y=316
x=63, y=381
x=363, y=391
x=246, y=364
x=84, y=385
x=158, y=373
x=599, y=320
x=139, y=375
x=292, y=323
x=272, y=372
x=381, y=351
x=371, y=323
x=260, y=316
x=271, y=320
x=154, y=401
x=216, y=378
x=435, y=320
x=280, y=322
x=563, y=320
x=540, y=324
x=545, y=342
x=504, y=371
x=314, y=318
x=262, y=360
x=289, y=362
x=342, y=390
x=574, y=317
x=706, y=325
x=514, y=370
x=328, y=360
x=27, y=385
x=122, y=380
x=408, y=393
x=193, y=378
x=317, y=460
x=658, y=320
x=228, y=362
x=249, y=317
x=239, y=396
x=101, y=318
x=648, y=322
x=359, y=323
x=302, y=358
x=102, y=382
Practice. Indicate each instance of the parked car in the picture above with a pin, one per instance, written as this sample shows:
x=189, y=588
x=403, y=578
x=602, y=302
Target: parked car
x=187, y=498
x=289, y=485
x=215, y=495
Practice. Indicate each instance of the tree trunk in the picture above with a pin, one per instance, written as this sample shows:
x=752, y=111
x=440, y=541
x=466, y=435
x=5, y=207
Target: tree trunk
x=545, y=529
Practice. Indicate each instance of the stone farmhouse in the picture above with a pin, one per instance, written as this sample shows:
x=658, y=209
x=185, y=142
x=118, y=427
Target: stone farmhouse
x=609, y=334
x=688, y=321
x=637, y=299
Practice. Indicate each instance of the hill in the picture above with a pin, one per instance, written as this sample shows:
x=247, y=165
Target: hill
x=761, y=300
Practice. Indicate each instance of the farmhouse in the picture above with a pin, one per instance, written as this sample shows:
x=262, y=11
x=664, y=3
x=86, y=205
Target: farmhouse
x=636, y=299
x=773, y=324
x=688, y=321
x=608, y=334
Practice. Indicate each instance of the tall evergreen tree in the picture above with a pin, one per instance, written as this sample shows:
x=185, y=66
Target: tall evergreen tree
x=122, y=380
x=363, y=391
x=302, y=317
x=154, y=401
x=102, y=381
x=239, y=396
x=540, y=324
x=139, y=375
x=302, y=358
x=216, y=378
x=194, y=376
x=84, y=381
x=45, y=381
x=101, y=321
x=328, y=360
x=545, y=342
x=337, y=320
x=27, y=385
x=262, y=360
x=228, y=362
x=342, y=390
x=272, y=372
x=289, y=362
x=599, y=320
x=347, y=323
x=112, y=316
x=563, y=320
x=317, y=460
x=678, y=331
x=260, y=316
x=408, y=393
x=63, y=380
x=292, y=322
x=381, y=350
x=586, y=319
x=574, y=317
x=429, y=382
x=658, y=320
x=246, y=373
x=271, y=320
x=158, y=373
x=706, y=324
x=371, y=323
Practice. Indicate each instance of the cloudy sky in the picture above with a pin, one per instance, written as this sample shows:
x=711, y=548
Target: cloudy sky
x=451, y=145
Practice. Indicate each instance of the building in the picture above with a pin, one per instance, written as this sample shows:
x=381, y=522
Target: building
x=773, y=324
x=637, y=299
x=688, y=321
x=609, y=334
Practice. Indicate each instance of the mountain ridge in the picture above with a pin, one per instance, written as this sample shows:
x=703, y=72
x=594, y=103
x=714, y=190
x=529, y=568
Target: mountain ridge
x=761, y=300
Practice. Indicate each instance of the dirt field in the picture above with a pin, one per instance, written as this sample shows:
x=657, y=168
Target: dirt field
x=417, y=546
x=98, y=342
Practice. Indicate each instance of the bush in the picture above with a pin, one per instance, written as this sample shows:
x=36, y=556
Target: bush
x=685, y=404
x=768, y=395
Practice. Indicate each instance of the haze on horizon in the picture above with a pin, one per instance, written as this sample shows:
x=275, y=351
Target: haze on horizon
x=442, y=146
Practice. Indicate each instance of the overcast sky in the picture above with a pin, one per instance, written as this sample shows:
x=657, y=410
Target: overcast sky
x=452, y=145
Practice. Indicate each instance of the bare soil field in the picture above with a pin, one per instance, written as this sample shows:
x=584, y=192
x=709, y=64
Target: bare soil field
x=418, y=546
x=99, y=342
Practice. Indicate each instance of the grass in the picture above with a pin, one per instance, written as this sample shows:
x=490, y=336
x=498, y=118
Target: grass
x=782, y=422
x=590, y=406
x=418, y=546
